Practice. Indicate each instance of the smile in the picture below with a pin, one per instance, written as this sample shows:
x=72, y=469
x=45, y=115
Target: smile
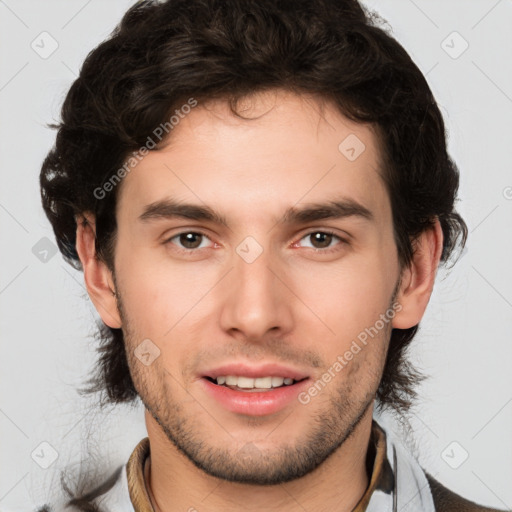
x=253, y=396
x=249, y=384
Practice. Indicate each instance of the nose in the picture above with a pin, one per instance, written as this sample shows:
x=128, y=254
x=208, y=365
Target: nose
x=257, y=299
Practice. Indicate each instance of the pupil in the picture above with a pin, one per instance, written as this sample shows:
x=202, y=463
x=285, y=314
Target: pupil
x=187, y=240
x=318, y=237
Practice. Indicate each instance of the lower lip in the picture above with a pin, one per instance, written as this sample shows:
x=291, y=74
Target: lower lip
x=254, y=403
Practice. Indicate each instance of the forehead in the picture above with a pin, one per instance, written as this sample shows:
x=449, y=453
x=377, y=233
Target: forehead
x=288, y=149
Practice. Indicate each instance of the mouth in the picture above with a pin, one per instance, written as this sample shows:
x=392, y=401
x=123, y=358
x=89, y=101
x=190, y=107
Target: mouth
x=252, y=390
x=259, y=396
x=249, y=384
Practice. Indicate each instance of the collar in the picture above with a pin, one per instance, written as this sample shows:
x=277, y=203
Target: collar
x=382, y=477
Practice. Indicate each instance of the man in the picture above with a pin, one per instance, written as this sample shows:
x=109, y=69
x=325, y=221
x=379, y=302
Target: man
x=259, y=195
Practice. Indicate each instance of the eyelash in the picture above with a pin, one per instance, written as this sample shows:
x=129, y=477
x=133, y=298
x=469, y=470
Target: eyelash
x=324, y=251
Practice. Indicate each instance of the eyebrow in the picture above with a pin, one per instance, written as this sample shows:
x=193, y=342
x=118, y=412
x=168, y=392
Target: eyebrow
x=170, y=208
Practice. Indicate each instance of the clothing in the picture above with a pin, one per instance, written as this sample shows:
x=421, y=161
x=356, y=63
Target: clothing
x=397, y=483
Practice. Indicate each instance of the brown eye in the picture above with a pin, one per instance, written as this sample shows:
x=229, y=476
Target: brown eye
x=188, y=240
x=322, y=241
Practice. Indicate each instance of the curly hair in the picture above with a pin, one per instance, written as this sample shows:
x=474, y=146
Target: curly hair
x=163, y=53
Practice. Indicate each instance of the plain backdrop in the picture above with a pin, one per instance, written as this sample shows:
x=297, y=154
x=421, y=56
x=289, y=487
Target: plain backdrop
x=462, y=427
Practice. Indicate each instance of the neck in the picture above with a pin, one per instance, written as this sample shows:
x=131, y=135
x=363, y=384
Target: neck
x=176, y=484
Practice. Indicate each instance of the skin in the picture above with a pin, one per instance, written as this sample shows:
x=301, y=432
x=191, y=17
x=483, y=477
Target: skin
x=291, y=305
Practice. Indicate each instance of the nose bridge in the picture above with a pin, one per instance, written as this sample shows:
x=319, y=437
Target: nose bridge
x=255, y=300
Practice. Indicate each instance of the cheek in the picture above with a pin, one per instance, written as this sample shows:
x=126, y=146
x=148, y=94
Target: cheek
x=157, y=292
x=348, y=297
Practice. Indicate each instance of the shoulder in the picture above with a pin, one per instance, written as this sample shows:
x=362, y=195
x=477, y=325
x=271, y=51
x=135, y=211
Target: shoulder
x=86, y=502
x=448, y=501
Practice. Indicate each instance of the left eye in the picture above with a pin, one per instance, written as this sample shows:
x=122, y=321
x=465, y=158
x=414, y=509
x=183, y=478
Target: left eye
x=189, y=239
x=322, y=238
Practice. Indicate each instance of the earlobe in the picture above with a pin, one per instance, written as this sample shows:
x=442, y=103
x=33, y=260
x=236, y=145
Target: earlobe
x=97, y=276
x=418, y=279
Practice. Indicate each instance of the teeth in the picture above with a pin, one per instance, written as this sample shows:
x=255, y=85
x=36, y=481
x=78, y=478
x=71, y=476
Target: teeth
x=249, y=383
x=277, y=381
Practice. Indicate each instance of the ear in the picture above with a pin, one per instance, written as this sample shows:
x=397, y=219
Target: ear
x=418, y=279
x=98, y=277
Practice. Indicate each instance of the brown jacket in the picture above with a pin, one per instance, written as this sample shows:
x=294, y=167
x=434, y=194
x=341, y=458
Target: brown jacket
x=447, y=501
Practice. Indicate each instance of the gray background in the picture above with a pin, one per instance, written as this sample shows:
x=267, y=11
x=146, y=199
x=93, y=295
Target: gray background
x=464, y=342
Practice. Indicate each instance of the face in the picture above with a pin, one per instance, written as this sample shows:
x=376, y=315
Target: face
x=259, y=276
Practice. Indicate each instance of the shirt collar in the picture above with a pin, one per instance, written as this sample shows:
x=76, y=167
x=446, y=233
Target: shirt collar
x=381, y=478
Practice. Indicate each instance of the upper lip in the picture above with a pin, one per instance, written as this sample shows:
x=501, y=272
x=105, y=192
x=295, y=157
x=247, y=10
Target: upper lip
x=253, y=371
